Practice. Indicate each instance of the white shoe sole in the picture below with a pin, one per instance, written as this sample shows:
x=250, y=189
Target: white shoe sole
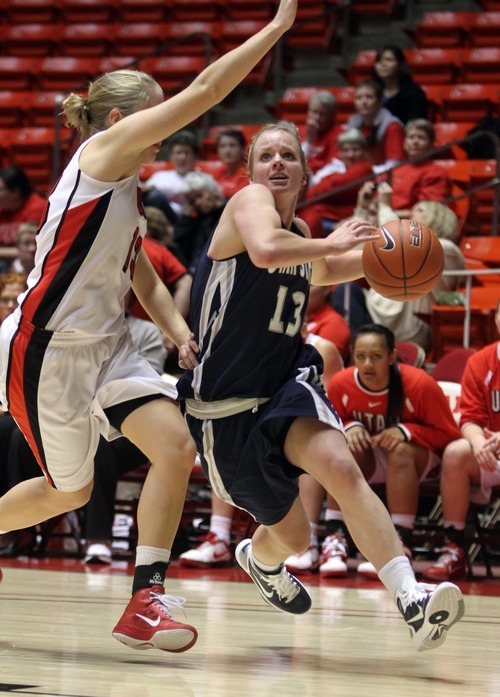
x=445, y=608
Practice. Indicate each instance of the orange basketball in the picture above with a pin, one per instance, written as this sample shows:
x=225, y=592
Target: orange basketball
x=405, y=261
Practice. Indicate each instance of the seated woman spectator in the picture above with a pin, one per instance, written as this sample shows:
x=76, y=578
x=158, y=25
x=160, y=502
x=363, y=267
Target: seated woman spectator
x=26, y=248
x=401, y=95
x=232, y=175
x=19, y=203
x=319, y=133
x=397, y=422
x=471, y=465
x=203, y=206
x=383, y=131
x=418, y=181
x=162, y=188
x=347, y=170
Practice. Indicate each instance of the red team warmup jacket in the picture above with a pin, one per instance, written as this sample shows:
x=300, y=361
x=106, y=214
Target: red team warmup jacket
x=480, y=394
x=426, y=419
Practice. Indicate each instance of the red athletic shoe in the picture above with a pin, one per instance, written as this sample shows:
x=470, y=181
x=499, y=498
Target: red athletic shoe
x=451, y=565
x=148, y=624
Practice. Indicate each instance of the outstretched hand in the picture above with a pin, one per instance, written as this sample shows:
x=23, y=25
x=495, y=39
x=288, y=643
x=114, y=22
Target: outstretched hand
x=187, y=354
x=351, y=234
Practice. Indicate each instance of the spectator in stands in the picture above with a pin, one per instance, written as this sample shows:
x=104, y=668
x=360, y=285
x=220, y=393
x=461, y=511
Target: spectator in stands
x=233, y=172
x=19, y=203
x=161, y=229
x=397, y=422
x=401, y=95
x=348, y=169
x=203, y=206
x=26, y=248
x=11, y=287
x=383, y=131
x=183, y=152
x=322, y=320
x=418, y=181
x=319, y=133
x=471, y=465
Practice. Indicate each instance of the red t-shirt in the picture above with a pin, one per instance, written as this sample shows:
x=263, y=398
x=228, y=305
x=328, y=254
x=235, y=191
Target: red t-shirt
x=323, y=149
x=423, y=181
x=32, y=210
x=230, y=183
x=328, y=324
x=166, y=265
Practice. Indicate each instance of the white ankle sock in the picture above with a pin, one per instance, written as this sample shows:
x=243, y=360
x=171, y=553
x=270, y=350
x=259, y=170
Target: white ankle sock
x=397, y=574
x=221, y=526
x=145, y=556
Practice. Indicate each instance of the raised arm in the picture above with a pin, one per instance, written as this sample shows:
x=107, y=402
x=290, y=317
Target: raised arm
x=127, y=139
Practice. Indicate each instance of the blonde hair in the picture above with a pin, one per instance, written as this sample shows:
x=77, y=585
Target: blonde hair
x=287, y=127
x=199, y=181
x=441, y=219
x=125, y=90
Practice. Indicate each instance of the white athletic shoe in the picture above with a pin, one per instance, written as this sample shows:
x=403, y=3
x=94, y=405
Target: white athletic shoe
x=333, y=557
x=304, y=563
x=429, y=611
x=98, y=553
x=368, y=571
x=212, y=552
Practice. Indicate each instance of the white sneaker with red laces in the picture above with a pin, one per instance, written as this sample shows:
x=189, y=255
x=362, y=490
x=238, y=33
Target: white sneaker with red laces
x=212, y=552
x=304, y=563
x=148, y=624
x=333, y=557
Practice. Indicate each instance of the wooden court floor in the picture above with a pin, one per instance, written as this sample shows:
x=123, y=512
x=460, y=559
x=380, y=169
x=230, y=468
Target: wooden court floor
x=56, y=621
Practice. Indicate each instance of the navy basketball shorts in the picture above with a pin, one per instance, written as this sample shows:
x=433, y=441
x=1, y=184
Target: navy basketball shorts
x=242, y=455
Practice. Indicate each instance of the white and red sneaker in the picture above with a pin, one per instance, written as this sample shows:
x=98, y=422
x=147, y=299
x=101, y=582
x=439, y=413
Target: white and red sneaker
x=304, y=563
x=148, y=624
x=212, y=552
x=333, y=557
x=451, y=565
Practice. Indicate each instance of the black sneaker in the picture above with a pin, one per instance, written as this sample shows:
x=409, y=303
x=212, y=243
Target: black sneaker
x=282, y=590
x=430, y=613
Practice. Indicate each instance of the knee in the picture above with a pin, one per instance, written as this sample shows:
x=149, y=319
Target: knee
x=455, y=457
x=402, y=457
x=346, y=476
x=76, y=499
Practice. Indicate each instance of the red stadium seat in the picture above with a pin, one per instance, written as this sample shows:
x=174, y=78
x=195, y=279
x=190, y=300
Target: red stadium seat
x=192, y=38
x=137, y=39
x=442, y=29
x=142, y=11
x=13, y=108
x=44, y=108
x=361, y=67
x=18, y=73
x=30, y=39
x=33, y=11
x=434, y=66
x=468, y=102
x=32, y=149
x=481, y=65
x=484, y=30
x=195, y=10
x=66, y=72
x=173, y=72
x=249, y=9
x=484, y=248
x=448, y=131
x=86, y=39
x=294, y=103
x=92, y=11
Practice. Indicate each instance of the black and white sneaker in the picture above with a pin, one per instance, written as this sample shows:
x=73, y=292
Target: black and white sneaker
x=282, y=590
x=429, y=612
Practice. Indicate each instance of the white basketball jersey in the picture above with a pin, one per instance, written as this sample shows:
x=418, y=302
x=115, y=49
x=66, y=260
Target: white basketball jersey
x=87, y=247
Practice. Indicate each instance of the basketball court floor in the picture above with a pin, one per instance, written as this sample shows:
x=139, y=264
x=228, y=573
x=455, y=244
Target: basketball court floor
x=56, y=618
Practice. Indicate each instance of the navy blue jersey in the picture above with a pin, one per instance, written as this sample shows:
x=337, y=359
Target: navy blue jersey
x=247, y=322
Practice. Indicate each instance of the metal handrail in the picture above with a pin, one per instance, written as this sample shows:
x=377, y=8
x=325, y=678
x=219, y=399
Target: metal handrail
x=430, y=155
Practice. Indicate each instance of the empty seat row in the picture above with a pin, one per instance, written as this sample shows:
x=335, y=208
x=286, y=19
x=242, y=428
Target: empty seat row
x=452, y=29
x=130, y=11
x=437, y=66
